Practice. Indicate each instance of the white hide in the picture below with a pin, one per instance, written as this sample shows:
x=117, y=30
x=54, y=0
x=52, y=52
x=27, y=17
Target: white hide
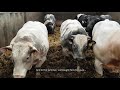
x=37, y=37
x=34, y=29
x=68, y=26
x=106, y=35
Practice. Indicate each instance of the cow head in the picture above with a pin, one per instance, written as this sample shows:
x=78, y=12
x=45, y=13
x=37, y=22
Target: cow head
x=83, y=20
x=50, y=27
x=24, y=56
x=49, y=17
x=80, y=44
x=6, y=51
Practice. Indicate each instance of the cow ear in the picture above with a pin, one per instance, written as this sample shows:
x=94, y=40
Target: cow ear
x=33, y=50
x=34, y=53
x=71, y=39
x=91, y=43
x=6, y=50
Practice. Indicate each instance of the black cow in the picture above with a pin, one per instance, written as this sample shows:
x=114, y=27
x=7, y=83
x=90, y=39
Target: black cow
x=89, y=21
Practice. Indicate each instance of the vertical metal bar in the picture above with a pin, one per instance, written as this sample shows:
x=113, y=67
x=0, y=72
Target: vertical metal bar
x=25, y=20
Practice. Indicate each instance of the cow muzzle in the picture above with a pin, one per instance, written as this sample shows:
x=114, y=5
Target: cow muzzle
x=18, y=76
x=17, y=73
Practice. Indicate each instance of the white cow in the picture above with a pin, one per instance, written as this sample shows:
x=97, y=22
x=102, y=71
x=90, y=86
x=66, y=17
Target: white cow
x=74, y=39
x=29, y=47
x=106, y=34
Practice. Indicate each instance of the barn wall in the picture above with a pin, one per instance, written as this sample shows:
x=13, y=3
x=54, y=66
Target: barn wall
x=61, y=16
x=66, y=15
x=34, y=16
x=10, y=23
x=115, y=15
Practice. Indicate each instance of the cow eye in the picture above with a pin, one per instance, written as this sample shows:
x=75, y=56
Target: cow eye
x=74, y=45
x=27, y=58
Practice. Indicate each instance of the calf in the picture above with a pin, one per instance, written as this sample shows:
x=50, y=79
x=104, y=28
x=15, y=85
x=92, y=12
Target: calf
x=49, y=21
x=74, y=39
x=29, y=47
x=107, y=48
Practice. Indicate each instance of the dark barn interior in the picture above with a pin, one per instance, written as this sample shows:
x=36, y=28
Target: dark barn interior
x=11, y=22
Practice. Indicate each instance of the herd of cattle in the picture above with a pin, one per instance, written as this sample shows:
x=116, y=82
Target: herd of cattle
x=30, y=45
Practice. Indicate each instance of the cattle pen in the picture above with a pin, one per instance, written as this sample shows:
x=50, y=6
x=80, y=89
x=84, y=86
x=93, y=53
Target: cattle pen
x=56, y=65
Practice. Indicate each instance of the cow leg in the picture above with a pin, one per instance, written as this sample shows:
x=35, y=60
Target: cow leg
x=98, y=67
